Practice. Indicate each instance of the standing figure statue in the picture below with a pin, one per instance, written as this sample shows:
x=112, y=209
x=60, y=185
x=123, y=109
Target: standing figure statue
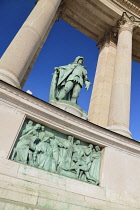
x=29, y=127
x=94, y=172
x=68, y=80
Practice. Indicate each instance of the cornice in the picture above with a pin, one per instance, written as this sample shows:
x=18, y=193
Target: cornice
x=65, y=122
x=129, y=5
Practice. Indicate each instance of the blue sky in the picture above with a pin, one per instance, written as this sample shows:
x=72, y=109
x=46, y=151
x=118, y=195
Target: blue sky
x=63, y=44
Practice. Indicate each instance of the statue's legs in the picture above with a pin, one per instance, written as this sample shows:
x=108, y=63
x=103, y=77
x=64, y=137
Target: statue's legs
x=75, y=93
x=64, y=91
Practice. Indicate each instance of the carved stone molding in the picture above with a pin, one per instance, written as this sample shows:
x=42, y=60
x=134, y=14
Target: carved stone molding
x=129, y=5
x=61, y=9
x=125, y=23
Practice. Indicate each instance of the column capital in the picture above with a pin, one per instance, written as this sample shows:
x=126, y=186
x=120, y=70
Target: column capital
x=60, y=10
x=110, y=38
x=126, y=23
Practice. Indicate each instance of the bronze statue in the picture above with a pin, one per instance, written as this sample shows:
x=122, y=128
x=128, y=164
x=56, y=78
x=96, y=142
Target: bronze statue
x=68, y=80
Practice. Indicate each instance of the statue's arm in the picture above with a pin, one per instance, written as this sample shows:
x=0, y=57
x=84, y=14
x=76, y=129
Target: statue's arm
x=58, y=69
x=86, y=81
x=60, y=144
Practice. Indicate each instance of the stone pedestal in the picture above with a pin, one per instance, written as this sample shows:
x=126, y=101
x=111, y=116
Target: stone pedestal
x=70, y=107
x=23, y=186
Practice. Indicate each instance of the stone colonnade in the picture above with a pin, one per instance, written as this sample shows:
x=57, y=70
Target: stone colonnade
x=110, y=101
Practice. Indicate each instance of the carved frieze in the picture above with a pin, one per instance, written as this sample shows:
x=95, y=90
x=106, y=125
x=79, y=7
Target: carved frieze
x=129, y=5
x=52, y=151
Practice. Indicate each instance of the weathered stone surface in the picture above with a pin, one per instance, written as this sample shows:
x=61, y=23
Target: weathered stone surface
x=82, y=189
x=122, y=172
x=123, y=198
x=14, y=118
x=42, y=177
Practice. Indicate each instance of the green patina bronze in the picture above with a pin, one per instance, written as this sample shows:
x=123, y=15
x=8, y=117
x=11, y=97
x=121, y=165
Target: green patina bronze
x=68, y=80
x=52, y=151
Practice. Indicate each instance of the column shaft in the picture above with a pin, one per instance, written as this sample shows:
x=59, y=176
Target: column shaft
x=100, y=99
x=18, y=56
x=120, y=96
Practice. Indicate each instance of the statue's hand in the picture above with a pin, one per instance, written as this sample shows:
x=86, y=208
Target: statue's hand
x=76, y=78
x=87, y=83
x=56, y=69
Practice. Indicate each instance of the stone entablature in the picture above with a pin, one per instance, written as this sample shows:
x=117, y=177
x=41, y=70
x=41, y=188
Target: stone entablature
x=129, y=5
x=95, y=18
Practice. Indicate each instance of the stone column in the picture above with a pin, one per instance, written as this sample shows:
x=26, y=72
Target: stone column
x=15, y=62
x=100, y=99
x=120, y=96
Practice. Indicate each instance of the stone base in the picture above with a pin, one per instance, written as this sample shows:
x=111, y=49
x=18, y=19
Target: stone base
x=30, y=188
x=24, y=187
x=70, y=107
x=121, y=130
x=9, y=78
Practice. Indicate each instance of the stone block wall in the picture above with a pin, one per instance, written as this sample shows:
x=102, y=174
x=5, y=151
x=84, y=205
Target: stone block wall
x=26, y=187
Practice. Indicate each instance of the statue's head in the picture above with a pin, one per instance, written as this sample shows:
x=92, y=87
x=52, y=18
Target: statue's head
x=70, y=138
x=37, y=126
x=79, y=60
x=97, y=148
x=30, y=122
x=90, y=146
x=52, y=136
x=77, y=142
x=48, y=140
x=42, y=128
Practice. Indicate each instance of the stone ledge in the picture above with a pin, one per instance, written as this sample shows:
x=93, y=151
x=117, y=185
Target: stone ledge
x=30, y=189
x=62, y=121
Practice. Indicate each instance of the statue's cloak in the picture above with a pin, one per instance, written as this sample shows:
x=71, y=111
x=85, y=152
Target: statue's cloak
x=64, y=72
x=59, y=79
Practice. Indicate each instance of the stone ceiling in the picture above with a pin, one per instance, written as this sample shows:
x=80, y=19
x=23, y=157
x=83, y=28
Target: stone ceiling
x=95, y=18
